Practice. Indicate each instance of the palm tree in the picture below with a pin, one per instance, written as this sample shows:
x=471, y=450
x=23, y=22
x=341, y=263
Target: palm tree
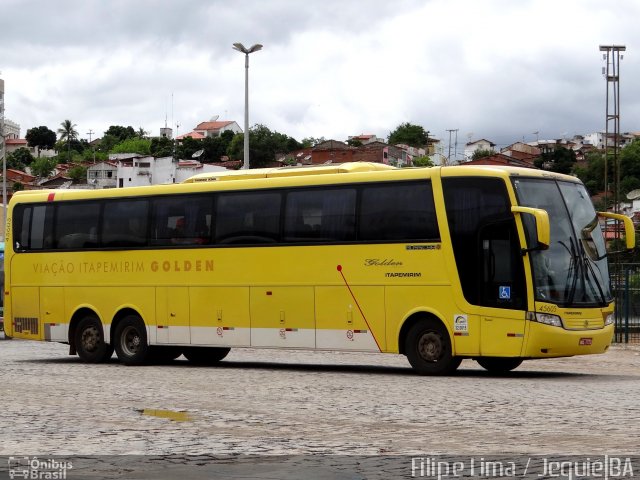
x=68, y=132
x=142, y=132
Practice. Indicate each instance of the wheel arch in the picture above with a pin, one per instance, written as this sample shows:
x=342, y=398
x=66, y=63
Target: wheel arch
x=415, y=317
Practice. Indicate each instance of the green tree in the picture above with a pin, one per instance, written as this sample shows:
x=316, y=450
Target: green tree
x=188, y=146
x=482, y=153
x=311, y=142
x=354, y=142
x=68, y=132
x=593, y=174
x=107, y=143
x=423, y=161
x=133, y=145
x=161, y=147
x=88, y=155
x=19, y=159
x=41, y=137
x=121, y=133
x=216, y=147
x=17, y=186
x=560, y=160
x=142, y=133
x=629, y=166
x=43, y=167
x=263, y=146
x=409, y=134
x=78, y=174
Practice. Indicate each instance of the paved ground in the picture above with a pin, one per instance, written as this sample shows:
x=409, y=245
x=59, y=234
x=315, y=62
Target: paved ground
x=285, y=402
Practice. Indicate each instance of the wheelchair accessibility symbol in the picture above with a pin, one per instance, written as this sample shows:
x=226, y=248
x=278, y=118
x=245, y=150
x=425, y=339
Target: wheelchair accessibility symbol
x=504, y=293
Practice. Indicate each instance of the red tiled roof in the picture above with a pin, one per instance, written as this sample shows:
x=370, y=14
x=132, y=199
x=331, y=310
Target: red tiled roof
x=19, y=175
x=15, y=141
x=212, y=125
x=194, y=135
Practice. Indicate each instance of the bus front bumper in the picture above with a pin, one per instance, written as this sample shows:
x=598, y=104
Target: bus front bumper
x=546, y=341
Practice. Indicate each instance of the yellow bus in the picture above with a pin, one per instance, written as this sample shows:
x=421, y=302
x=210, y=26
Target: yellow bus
x=494, y=264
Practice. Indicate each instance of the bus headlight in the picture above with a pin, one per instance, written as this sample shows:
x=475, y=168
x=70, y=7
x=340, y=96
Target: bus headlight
x=548, y=319
x=609, y=319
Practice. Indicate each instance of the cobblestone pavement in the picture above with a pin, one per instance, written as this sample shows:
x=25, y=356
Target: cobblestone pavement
x=289, y=402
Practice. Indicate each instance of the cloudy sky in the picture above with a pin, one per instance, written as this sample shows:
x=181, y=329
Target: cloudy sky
x=494, y=69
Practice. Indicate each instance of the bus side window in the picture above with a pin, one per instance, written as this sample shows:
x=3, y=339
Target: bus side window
x=77, y=225
x=248, y=218
x=124, y=223
x=33, y=227
x=320, y=215
x=398, y=211
x=182, y=220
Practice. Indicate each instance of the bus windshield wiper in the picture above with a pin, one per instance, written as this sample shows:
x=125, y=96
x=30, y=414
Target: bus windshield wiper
x=588, y=266
x=572, y=272
x=579, y=269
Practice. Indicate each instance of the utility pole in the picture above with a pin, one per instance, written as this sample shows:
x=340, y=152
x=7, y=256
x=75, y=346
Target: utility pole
x=451, y=130
x=611, y=73
x=90, y=132
x=3, y=158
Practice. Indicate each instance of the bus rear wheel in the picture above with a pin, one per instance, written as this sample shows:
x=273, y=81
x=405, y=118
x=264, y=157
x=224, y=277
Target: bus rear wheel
x=89, y=341
x=130, y=341
x=428, y=349
x=499, y=364
x=205, y=355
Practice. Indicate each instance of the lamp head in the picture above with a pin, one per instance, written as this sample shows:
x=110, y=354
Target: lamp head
x=241, y=48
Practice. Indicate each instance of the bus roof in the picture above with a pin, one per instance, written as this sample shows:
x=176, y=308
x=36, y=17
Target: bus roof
x=288, y=171
x=286, y=176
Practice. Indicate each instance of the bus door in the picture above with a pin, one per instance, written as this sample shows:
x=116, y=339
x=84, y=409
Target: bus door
x=489, y=261
x=502, y=290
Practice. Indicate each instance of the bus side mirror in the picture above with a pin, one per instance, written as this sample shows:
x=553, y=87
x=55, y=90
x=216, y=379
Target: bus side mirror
x=629, y=231
x=543, y=230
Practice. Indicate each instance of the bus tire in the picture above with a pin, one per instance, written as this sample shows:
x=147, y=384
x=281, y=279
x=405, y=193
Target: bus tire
x=206, y=355
x=428, y=349
x=89, y=341
x=499, y=364
x=130, y=341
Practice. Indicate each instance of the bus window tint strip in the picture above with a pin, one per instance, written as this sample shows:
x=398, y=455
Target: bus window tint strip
x=354, y=213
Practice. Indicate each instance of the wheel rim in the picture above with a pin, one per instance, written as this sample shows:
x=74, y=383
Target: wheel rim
x=90, y=339
x=430, y=347
x=131, y=341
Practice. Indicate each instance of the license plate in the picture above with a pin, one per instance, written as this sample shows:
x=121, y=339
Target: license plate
x=585, y=341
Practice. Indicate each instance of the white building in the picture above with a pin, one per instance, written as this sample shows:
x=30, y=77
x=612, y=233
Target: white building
x=471, y=147
x=217, y=128
x=138, y=170
x=11, y=130
x=103, y=175
x=142, y=170
x=188, y=168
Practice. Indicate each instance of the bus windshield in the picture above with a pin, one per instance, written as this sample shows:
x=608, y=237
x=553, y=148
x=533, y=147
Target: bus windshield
x=573, y=270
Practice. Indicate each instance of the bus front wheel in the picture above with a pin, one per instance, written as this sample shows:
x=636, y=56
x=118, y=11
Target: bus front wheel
x=206, y=355
x=131, y=341
x=89, y=341
x=499, y=364
x=428, y=349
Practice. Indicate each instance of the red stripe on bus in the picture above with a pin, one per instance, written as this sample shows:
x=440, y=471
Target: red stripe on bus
x=344, y=279
x=51, y=197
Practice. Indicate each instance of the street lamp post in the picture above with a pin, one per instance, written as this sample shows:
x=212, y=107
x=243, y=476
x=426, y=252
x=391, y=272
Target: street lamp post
x=241, y=48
